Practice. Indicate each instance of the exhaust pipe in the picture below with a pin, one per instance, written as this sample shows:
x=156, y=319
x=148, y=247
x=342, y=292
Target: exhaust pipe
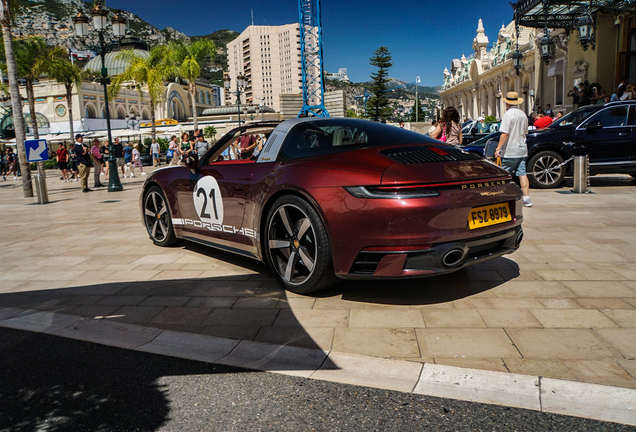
x=453, y=257
x=519, y=238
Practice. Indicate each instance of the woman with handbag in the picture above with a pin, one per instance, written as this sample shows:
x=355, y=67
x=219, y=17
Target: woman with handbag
x=98, y=160
x=449, y=130
x=172, y=154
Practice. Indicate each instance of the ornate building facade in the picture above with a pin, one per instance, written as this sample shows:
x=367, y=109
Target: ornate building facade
x=475, y=85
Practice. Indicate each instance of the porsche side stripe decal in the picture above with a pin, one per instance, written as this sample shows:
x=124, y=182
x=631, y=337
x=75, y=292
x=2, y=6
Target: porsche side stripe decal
x=214, y=227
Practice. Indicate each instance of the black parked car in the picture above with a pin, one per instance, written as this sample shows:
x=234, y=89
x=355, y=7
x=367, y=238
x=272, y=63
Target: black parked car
x=472, y=130
x=607, y=133
x=478, y=146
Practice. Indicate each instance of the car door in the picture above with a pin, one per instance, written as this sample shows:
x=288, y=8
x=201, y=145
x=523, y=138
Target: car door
x=607, y=137
x=212, y=204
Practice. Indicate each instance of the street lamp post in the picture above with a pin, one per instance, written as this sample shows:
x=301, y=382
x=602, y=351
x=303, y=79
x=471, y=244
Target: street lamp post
x=240, y=84
x=417, y=81
x=100, y=21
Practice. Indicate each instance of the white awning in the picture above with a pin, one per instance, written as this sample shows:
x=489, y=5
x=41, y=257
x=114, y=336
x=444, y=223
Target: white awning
x=555, y=69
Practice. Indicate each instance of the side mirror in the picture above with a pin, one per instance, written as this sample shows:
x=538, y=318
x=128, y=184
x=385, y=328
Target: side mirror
x=592, y=126
x=192, y=162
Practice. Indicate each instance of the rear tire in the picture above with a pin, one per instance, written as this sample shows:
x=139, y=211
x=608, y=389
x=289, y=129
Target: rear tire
x=157, y=218
x=539, y=177
x=297, y=246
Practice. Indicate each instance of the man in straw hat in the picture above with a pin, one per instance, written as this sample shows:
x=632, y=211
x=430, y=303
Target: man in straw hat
x=512, y=144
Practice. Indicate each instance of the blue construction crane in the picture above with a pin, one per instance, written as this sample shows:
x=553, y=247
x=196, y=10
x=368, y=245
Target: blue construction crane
x=311, y=58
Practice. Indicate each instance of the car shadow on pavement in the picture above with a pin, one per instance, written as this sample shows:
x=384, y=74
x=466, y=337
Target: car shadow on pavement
x=432, y=290
x=57, y=384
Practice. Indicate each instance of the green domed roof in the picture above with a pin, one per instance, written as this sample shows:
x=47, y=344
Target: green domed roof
x=115, y=66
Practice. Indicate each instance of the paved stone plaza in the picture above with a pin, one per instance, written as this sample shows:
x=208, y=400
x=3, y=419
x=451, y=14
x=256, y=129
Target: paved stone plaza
x=563, y=306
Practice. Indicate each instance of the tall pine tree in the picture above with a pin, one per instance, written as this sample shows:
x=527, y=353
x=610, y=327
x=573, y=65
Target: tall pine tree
x=417, y=107
x=378, y=103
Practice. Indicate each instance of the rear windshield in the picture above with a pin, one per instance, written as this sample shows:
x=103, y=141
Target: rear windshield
x=331, y=136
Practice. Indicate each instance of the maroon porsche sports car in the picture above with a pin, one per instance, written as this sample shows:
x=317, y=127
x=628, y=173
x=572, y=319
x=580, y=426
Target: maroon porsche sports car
x=329, y=198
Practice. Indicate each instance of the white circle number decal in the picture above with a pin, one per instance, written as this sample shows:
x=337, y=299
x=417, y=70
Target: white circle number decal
x=207, y=200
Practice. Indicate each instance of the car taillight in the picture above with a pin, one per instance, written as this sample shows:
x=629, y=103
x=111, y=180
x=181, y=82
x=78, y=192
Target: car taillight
x=385, y=192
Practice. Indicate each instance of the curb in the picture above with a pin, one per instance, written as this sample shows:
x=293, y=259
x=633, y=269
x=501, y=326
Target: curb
x=594, y=401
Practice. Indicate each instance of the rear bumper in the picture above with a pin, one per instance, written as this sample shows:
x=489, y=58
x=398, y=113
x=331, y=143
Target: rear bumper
x=439, y=259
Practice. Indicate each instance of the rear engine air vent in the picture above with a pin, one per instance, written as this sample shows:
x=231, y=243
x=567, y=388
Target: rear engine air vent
x=427, y=154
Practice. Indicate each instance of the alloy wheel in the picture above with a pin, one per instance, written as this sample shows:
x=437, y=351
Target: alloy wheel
x=157, y=216
x=291, y=239
x=545, y=170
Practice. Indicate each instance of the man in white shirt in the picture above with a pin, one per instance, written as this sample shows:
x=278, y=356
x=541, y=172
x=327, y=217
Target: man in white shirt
x=155, y=149
x=512, y=144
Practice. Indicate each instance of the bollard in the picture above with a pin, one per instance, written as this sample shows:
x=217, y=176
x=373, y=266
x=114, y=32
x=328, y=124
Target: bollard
x=581, y=174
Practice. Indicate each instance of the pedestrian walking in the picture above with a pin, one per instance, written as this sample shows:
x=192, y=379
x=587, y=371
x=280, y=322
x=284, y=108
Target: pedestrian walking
x=449, y=130
x=127, y=158
x=119, y=154
x=184, y=145
x=105, y=153
x=62, y=161
x=83, y=161
x=12, y=162
x=72, y=164
x=3, y=164
x=155, y=150
x=136, y=161
x=201, y=145
x=173, y=151
x=98, y=161
x=512, y=146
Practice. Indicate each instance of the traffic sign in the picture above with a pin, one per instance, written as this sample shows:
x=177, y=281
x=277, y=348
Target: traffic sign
x=36, y=150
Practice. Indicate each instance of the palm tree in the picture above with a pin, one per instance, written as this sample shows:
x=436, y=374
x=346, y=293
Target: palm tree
x=68, y=74
x=148, y=73
x=34, y=59
x=8, y=7
x=188, y=58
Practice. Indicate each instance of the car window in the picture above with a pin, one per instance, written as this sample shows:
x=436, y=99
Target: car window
x=227, y=148
x=324, y=137
x=615, y=116
x=573, y=118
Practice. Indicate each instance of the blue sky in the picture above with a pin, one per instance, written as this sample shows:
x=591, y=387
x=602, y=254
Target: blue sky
x=423, y=37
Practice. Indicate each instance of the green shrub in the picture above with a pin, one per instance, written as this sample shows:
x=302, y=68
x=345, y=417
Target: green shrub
x=163, y=144
x=209, y=132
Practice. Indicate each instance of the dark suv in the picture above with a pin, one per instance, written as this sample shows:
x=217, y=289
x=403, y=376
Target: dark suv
x=607, y=133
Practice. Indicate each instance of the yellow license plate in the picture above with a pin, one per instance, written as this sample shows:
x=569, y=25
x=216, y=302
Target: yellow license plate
x=489, y=215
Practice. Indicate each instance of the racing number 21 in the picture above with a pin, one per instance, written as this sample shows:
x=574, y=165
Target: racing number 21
x=204, y=214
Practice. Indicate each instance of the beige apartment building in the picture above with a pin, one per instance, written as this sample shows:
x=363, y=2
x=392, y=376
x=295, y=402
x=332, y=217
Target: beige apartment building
x=269, y=58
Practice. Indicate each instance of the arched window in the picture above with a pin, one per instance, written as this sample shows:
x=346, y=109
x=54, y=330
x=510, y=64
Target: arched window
x=90, y=111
